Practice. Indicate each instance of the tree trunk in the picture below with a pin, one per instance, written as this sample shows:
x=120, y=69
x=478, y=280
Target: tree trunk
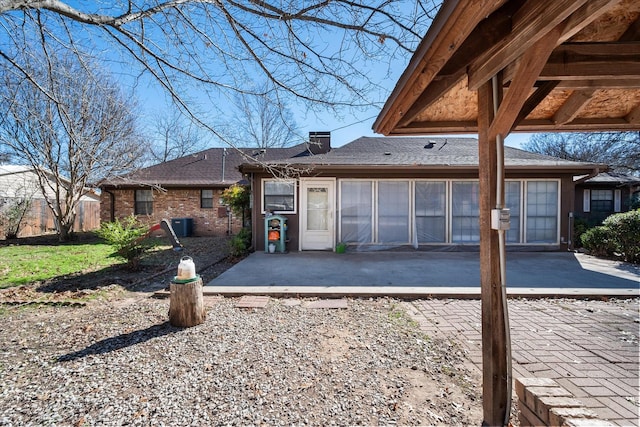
x=186, y=304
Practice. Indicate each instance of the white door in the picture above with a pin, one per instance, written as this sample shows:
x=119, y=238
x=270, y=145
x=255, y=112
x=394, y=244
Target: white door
x=316, y=216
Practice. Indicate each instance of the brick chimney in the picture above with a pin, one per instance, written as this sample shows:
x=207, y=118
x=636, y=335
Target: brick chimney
x=319, y=142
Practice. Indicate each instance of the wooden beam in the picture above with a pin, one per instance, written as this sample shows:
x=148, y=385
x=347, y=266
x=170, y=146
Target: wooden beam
x=597, y=84
x=585, y=15
x=573, y=106
x=532, y=22
x=494, y=351
x=533, y=101
x=577, y=125
x=593, y=61
x=417, y=128
x=523, y=81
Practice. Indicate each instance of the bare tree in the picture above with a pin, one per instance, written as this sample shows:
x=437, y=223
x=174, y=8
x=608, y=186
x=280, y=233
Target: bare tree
x=619, y=150
x=326, y=53
x=175, y=136
x=70, y=123
x=261, y=121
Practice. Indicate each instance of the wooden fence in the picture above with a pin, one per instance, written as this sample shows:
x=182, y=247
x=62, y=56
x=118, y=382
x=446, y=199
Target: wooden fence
x=40, y=220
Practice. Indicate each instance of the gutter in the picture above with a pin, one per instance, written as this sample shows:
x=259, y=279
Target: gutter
x=593, y=173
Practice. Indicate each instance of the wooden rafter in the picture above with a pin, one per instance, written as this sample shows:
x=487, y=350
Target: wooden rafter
x=593, y=61
x=532, y=22
x=525, y=76
x=572, y=106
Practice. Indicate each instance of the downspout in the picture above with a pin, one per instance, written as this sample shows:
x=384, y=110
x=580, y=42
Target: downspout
x=503, y=254
x=224, y=160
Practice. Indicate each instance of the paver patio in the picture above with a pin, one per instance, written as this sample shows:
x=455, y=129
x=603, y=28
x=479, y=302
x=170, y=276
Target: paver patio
x=589, y=347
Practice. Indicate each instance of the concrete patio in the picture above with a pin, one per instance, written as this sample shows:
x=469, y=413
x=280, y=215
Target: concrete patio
x=418, y=274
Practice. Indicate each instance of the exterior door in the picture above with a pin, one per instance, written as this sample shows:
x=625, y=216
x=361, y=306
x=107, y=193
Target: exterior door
x=317, y=218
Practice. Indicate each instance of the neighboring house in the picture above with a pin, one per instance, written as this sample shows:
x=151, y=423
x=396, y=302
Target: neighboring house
x=21, y=182
x=605, y=194
x=188, y=190
x=384, y=192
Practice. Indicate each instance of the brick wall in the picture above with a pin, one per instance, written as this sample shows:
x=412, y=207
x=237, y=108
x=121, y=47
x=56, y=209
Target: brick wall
x=542, y=402
x=173, y=203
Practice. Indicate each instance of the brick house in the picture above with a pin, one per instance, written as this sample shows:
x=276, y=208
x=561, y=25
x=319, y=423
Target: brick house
x=187, y=190
x=420, y=192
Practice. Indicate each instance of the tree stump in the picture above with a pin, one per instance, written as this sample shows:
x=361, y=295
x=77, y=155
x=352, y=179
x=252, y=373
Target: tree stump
x=186, y=304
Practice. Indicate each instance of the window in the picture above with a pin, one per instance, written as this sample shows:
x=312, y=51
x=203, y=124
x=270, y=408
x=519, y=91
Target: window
x=602, y=201
x=206, y=199
x=542, y=211
x=279, y=196
x=430, y=207
x=465, y=212
x=393, y=211
x=356, y=206
x=512, y=202
x=143, y=202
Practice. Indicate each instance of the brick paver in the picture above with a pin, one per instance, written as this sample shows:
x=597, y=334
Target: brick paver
x=589, y=347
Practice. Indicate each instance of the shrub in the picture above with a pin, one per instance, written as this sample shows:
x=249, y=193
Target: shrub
x=128, y=239
x=599, y=241
x=580, y=226
x=238, y=198
x=625, y=232
x=12, y=214
x=240, y=244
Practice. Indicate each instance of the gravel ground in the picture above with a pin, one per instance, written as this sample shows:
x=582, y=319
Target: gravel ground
x=120, y=362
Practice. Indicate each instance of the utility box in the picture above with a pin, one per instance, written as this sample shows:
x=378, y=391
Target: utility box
x=183, y=227
x=275, y=234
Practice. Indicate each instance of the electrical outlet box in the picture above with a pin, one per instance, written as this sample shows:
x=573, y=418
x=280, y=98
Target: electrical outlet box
x=500, y=219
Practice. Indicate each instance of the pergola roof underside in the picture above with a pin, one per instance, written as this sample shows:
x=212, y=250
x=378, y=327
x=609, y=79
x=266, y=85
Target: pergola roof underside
x=591, y=80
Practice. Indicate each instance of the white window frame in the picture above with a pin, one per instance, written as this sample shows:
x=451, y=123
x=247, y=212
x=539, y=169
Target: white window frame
x=447, y=207
x=295, y=195
x=524, y=237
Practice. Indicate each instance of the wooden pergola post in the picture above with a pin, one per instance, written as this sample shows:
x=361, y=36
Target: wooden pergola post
x=494, y=349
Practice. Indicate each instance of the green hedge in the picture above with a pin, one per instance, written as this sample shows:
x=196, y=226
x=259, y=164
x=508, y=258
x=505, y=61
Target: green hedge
x=618, y=235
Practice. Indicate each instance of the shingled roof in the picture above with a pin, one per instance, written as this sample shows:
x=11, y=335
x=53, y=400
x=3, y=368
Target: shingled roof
x=436, y=152
x=215, y=167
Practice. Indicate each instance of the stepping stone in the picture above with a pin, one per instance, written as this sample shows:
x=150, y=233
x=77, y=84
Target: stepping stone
x=291, y=302
x=252, y=301
x=328, y=303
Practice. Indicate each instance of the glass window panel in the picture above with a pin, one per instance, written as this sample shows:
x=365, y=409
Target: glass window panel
x=317, y=208
x=206, y=199
x=465, y=212
x=279, y=196
x=356, y=211
x=393, y=211
x=430, y=203
x=602, y=201
x=512, y=201
x=143, y=202
x=542, y=211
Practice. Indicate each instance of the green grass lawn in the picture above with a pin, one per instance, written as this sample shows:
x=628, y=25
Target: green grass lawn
x=22, y=264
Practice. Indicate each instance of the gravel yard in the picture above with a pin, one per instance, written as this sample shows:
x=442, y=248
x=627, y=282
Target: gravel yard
x=119, y=362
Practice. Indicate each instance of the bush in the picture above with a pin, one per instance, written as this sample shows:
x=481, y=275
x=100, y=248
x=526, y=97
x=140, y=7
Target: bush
x=625, y=232
x=599, y=241
x=580, y=226
x=128, y=239
x=240, y=244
